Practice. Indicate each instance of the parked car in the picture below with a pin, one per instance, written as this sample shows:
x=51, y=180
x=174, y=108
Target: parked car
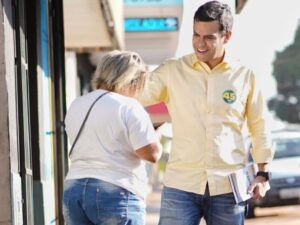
x=285, y=168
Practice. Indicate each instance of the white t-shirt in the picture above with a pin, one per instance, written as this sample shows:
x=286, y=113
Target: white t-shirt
x=116, y=127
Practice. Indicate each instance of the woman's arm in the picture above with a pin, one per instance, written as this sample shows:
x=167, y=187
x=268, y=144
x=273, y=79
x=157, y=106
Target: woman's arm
x=151, y=152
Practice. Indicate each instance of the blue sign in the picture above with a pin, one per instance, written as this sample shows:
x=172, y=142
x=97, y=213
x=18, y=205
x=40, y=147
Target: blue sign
x=151, y=24
x=152, y=2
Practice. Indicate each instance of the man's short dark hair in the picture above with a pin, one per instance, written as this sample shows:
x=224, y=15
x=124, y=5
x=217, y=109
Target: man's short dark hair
x=215, y=10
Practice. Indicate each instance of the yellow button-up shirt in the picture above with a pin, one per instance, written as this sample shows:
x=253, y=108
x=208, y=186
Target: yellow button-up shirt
x=208, y=109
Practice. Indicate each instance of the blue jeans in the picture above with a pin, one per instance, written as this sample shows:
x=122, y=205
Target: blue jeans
x=186, y=208
x=92, y=201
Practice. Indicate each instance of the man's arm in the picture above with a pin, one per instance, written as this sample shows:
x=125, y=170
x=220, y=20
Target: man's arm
x=262, y=151
x=156, y=87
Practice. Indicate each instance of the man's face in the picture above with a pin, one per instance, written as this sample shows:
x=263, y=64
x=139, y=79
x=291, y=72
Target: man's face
x=209, y=42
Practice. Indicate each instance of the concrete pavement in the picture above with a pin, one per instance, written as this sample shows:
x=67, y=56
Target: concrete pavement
x=153, y=206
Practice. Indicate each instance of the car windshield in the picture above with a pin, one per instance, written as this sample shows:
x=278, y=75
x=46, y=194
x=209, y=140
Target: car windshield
x=287, y=148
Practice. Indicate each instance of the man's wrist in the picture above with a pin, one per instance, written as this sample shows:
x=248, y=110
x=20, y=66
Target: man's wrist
x=264, y=174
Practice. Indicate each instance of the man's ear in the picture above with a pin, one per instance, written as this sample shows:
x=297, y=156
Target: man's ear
x=227, y=36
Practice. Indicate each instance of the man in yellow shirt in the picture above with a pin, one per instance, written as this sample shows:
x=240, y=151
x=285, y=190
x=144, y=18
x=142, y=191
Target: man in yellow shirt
x=209, y=98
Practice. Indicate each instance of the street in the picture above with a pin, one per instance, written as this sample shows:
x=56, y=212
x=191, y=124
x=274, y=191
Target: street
x=288, y=215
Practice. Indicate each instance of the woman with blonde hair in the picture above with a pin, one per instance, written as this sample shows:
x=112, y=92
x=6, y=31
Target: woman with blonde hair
x=112, y=137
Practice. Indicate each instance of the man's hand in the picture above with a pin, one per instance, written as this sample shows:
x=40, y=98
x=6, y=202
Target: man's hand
x=258, y=187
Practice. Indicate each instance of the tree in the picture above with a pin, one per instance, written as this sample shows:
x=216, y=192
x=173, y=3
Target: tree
x=286, y=70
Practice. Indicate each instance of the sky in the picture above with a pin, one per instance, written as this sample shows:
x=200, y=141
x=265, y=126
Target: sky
x=263, y=27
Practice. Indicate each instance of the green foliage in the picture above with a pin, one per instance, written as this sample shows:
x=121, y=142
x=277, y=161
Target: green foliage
x=286, y=71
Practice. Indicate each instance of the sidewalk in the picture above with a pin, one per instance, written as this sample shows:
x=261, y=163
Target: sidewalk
x=153, y=207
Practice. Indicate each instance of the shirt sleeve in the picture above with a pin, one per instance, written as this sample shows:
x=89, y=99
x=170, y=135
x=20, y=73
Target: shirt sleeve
x=140, y=128
x=257, y=113
x=156, y=90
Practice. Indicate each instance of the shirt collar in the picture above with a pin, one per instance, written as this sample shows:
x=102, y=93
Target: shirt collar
x=227, y=63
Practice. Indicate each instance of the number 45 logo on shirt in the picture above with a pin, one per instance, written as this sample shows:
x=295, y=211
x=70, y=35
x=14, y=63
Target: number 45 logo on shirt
x=229, y=96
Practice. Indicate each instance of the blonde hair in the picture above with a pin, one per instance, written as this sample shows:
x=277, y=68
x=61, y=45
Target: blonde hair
x=120, y=69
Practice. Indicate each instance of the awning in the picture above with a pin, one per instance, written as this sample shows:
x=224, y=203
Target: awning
x=85, y=27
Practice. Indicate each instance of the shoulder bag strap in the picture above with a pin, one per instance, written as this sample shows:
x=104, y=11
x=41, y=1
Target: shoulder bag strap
x=86, y=116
